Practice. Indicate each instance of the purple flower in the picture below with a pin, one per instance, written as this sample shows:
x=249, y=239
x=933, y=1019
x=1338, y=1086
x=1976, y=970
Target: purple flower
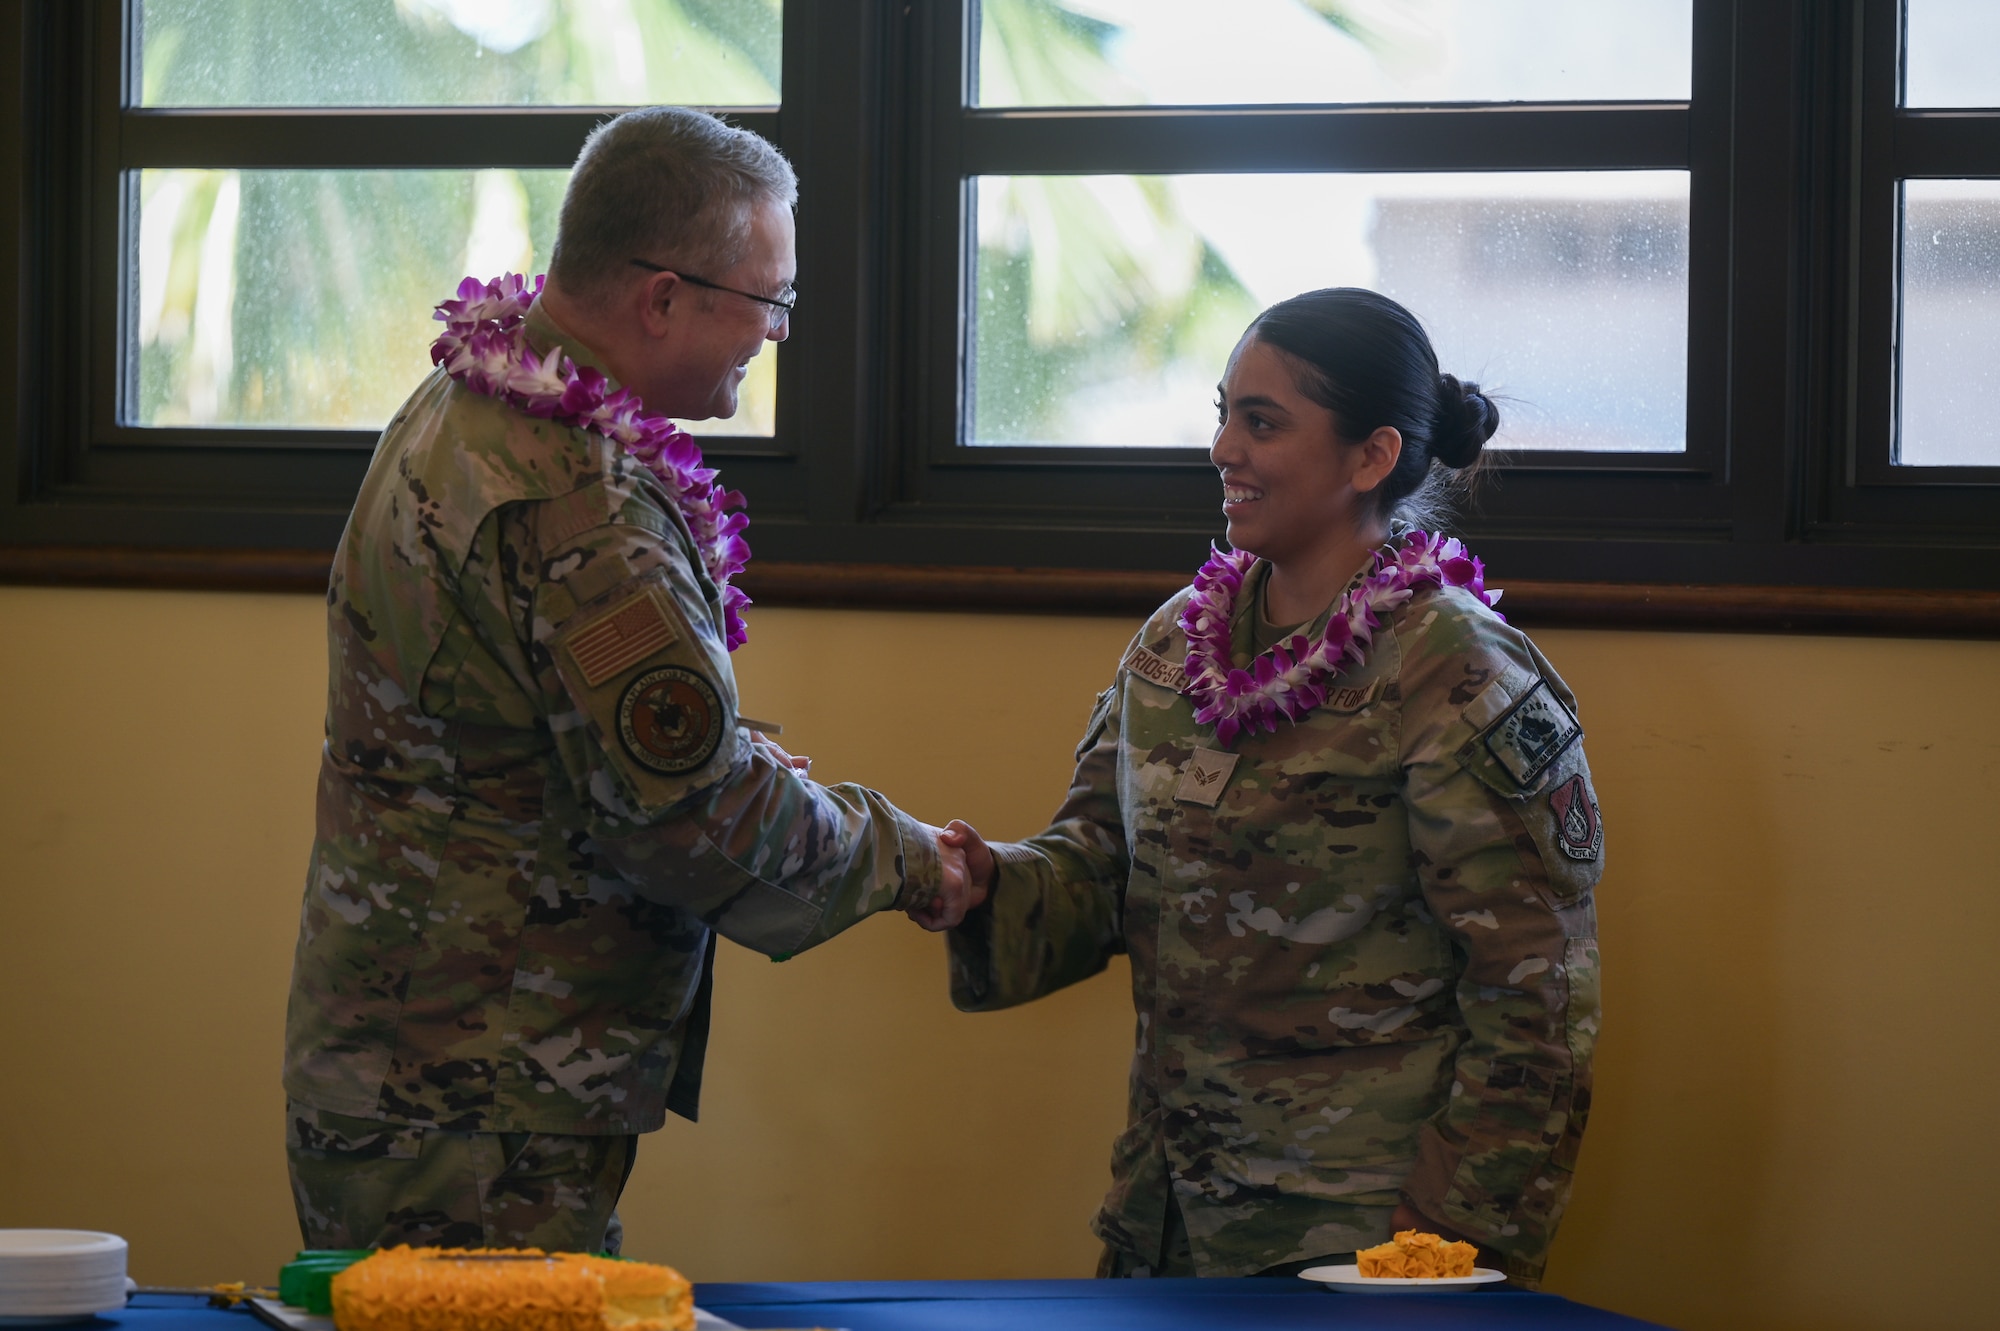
x=583, y=394
x=537, y=384
x=1292, y=678
x=484, y=347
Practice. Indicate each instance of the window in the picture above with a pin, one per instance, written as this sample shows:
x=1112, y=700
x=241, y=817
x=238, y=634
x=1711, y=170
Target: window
x=1104, y=305
x=1730, y=264
x=1089, y=255
x=1948, y=243
x=281, y=295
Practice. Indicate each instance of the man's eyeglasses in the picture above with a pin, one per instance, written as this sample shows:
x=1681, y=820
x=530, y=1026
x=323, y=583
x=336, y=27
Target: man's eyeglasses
x=781, y=304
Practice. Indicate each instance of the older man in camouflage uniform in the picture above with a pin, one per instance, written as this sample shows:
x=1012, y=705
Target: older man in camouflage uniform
x=1364, y=954
x=537, y=807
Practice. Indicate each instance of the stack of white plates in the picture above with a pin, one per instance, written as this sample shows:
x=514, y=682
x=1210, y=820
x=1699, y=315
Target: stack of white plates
x=52, y=1275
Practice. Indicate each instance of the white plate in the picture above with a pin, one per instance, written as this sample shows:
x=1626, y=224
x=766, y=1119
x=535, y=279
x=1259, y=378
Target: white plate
x=49, y=1275
x=1350, y=1278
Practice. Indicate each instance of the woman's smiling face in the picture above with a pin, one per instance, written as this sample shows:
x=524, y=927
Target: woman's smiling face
x=1288, y=479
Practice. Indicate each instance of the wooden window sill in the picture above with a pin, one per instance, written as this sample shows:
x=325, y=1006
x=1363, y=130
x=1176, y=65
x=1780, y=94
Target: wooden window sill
x=1755, y=609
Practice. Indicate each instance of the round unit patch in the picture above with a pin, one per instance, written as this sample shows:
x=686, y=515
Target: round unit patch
x=670, y=720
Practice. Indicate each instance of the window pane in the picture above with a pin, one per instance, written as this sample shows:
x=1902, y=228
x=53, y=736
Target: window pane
x=303, y=298
x=459, y=52
x=1949, y=345
x=1264, y=52
x=1948, y=53
x=1106, y=306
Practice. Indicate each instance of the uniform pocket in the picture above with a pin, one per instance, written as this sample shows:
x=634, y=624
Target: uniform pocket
x=1136, y=1204
x=317, y=1132
x=1586, y=1008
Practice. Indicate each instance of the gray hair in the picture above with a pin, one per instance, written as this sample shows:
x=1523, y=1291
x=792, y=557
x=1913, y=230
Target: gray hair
x=665, y=184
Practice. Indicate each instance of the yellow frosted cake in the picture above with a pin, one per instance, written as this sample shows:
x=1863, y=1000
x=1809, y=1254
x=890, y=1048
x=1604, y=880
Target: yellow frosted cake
x=1413, y=1255
x=508, y=1289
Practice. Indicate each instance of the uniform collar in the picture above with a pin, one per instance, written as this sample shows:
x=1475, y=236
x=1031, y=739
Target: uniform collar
x=544, y=332
x=1243, y=618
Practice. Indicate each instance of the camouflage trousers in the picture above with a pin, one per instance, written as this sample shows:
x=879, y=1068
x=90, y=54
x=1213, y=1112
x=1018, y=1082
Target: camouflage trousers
x=1176, y=1257
x=363, y=1183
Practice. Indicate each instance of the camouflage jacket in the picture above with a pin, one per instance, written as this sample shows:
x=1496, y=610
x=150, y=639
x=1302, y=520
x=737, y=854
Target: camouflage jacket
x=1363, y=957
x=536, y=806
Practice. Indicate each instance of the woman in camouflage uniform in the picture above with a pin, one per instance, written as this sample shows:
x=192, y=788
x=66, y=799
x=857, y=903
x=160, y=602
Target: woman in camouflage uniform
x=1351, y=860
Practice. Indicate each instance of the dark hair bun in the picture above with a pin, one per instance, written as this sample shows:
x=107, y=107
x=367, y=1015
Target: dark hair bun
x=1467, y=418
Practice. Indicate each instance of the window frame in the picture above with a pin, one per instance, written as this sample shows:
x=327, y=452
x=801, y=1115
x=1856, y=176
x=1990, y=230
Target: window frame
x=1899, y=144
x=865, y=492
x=1175, y=487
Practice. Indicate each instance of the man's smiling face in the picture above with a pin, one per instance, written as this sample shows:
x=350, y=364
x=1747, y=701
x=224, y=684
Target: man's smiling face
x=714, y=335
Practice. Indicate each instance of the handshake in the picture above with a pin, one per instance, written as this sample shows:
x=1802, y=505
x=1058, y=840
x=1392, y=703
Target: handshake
x=965, y=878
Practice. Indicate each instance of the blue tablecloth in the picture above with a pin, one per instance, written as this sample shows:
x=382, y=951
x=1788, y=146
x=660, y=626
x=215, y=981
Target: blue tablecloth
x=1045, y=1305
x=1143, y=1305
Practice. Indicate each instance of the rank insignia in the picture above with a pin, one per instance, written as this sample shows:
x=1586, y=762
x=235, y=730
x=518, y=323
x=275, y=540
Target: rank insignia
x=1204, y=777
x=1530, y=734
x=670, y=720
x=1579, y=829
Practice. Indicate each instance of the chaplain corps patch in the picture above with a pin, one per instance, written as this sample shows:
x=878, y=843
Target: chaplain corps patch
x=1530, y=734
x=670, y=720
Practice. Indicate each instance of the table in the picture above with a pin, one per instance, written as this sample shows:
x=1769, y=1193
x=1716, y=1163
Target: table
x=1045, y=1305
x=1142, y=1305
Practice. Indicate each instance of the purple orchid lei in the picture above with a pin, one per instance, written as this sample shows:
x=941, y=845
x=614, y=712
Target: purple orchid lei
x=484, y=346
x=1291, y=678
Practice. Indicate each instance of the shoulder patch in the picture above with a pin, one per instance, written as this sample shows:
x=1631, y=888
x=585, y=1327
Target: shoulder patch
x=1154, y=668
x=621, y=637
x=1579, y=827
x=670, y=720
x=1530, y=734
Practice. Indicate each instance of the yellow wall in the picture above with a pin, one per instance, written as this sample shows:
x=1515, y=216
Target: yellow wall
x=1799, y=925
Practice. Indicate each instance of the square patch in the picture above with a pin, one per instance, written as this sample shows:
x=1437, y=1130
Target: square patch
x=1204, y=777
x=1530, y=734
x=1579, y=826
x=621, y=637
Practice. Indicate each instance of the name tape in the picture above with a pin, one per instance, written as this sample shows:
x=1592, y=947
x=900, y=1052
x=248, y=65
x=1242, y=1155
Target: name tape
x=1155, y=669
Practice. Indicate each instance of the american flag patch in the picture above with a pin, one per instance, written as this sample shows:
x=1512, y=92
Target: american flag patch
x=621, y=637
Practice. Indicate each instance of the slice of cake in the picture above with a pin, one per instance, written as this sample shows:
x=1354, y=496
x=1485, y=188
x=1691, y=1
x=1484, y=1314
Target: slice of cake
x=508, y=1289
x=1414, y=1255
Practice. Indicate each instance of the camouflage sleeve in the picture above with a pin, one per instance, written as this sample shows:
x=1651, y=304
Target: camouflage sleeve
x=675, y=794
x=1508, y=845
x=1053, y=917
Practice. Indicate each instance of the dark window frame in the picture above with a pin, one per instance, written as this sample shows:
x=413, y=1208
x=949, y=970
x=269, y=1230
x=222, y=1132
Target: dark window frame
x=1899, y=144
x=865, y=495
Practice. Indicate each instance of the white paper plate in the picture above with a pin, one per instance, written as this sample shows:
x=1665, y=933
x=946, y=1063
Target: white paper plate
x=50, y=1275
x=1349, y=1278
